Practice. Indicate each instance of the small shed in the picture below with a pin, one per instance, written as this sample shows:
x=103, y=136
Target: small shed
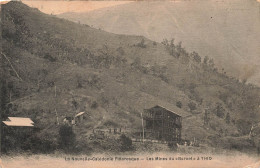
x=18, y=129
x=19, y=122
x=79, y=117
x=67, y=120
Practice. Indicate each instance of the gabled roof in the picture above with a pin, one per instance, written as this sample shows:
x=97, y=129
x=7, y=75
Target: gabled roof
x=169, y=107
x=79, y=114
x=19, y=122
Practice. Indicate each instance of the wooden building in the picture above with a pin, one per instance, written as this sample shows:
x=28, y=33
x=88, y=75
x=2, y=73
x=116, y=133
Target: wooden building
x=19, y=122
x=162, y=124
x=73, y=120
x=15, y=132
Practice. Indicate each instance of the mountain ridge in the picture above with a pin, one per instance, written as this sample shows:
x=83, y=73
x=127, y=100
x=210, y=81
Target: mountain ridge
x=205, y=24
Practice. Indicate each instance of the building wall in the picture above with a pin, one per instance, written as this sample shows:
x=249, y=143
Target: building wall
x=162, y=125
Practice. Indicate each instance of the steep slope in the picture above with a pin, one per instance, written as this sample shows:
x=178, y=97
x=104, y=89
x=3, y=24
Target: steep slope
x=226, y=31
x=67, y=67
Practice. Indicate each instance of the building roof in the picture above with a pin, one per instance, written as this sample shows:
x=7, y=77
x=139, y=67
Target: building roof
x=79, y=114
x=19, y=122
x=172, y=108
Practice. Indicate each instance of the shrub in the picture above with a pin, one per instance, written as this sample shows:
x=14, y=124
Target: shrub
x=125, y=143
x=196, y=57
x=141, y=44
x=80, y=82
x=39, y=145
x=192, y=106
x=120, y=50
x=94, y=81
x=164, y=78
x=82, y=147
x=219, y=111
x=243, y=126
x=66, y=138
x=26, y=139
x=179, y=104
x=50, y=58
x=172, y=145
x=110, y=123
x=94, y=105
x=75, y=103
x=227, y=118
x=237, y=143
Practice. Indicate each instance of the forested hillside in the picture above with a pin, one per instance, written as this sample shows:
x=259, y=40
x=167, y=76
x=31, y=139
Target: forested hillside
x=53, y=64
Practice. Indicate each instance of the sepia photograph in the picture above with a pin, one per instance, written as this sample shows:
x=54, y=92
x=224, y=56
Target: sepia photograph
x=130, y=84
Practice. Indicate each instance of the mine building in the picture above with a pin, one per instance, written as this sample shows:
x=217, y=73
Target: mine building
x=162, y=124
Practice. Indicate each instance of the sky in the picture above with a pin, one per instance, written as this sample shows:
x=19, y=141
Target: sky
x=58, y=7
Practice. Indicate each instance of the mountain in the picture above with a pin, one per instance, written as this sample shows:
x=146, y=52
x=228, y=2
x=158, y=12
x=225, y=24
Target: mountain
x=223, y=30
x=54, y=68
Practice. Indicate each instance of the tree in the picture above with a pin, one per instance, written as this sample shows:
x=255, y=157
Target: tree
x=243, y=126
x=80, y=81
x=3, y=115
x=67, y=138
x=179, y=104
x=179, y=49
x=94, y=105
x=4, y=100
x=141, y=44
x=206, y=117
x=205, y=60
x=211, y=63
x=137, y=63
x=165, y=42
x=172, y=145
x=227, y=118
x=172, y=48
x=94, y=81
x=192, y=106
x=75, y=104
x=41, y=75
x=196, y=57
x=10, y=90
x=220, y=132
x=219, y=111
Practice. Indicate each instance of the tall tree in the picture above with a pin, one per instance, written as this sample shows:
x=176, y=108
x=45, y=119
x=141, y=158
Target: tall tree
x=211, y=63
x=4, y=97
x=10, y=86
x=219, y=110
x=205, y=60
x=206, y=117
x=66, y=138
x=196, y=57
x=3, y=109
